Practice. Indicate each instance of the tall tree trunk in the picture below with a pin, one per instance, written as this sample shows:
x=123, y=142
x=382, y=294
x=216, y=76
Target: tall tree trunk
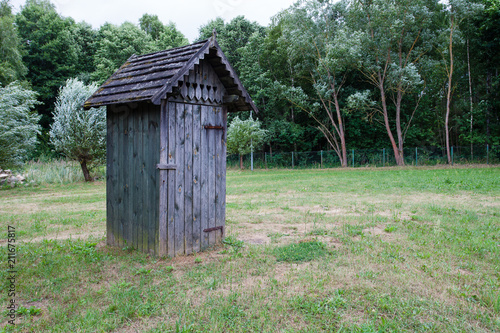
x=471, y=104
x=395, y=148
x=343, y=156
x=448, y=96
x=241, y=162
x=86, y=173
x=399, y=132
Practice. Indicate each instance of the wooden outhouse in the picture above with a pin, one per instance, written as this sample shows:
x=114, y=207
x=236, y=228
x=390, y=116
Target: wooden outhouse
x=166, y=148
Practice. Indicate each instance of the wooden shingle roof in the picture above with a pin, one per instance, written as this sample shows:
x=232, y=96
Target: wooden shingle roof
x=151, y=77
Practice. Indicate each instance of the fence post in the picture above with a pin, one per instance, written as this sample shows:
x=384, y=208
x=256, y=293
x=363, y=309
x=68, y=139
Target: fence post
x=383, y=154
x=293, y=163
x=321, y=159
x=251, y=161
x=451, y=155
x=416, y=156
x=353, y=158
x=487, y=154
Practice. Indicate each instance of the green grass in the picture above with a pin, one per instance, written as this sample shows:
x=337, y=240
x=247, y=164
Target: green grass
x=357, y=250
x=300, y=252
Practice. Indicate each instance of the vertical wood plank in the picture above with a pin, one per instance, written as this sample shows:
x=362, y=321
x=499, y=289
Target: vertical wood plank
x=211, y=172
x=196, y=179
x=129, y=207
x=163, y=203
x=145, y=200
x=110, y=176
x=204, y=65
x=134, y=164
x=204, y=157
x=188, y=179
x=118, y=188
x=153, y=159
x=198, y=78
x=123, y=179
x=184, y=88
x=171, y=176
x=142, y=185
x=179, y=195
x=192, y=81
x=223, y=172
x=210, y=88
x=218, y=172
x=211, y=77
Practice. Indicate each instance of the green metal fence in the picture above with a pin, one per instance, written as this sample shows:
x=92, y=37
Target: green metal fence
x=479, y=154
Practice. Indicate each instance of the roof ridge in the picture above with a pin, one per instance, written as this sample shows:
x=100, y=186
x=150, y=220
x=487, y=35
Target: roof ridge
x=169, y=50
x=152, y=76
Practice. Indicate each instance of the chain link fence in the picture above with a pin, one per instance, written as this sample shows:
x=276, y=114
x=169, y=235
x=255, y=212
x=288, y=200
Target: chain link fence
x=479, y=154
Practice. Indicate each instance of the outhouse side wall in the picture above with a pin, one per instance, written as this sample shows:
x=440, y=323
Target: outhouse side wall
x=132, y=181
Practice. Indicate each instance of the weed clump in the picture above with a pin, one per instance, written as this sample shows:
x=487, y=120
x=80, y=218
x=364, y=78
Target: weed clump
x=301, y=252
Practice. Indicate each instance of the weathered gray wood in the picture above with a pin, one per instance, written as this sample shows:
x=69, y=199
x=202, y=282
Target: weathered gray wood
x=140, y=188
x=196, y=178
x=152, y=154
x=192, y=82
x=135, y=139
x=198, y=69
x=151, y=77
x=187, y=66
x=166, y=166
x=184, y=87
x=203, y=78
x=168, y=178
x=211, y=173
x=188, y=179
x=219, y=137
x=123, y=200
x=223, y=172
x=117, y=190
x=179, y=195
x=210, y=83
x=110, y=177
x=171, y=175
x=204, y=157
x=163, y=204
x=142, y=235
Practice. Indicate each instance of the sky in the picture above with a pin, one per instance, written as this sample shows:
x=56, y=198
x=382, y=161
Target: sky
x=187, y=15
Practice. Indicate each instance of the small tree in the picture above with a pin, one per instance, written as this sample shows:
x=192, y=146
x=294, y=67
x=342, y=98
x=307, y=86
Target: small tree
x=243, y=136
x=77, y=133
x=18, y=124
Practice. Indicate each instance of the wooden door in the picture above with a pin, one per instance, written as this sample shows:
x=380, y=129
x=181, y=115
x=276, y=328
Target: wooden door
x=192, y=177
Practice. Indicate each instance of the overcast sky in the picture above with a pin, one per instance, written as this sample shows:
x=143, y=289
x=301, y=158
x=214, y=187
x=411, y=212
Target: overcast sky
x=187, y=15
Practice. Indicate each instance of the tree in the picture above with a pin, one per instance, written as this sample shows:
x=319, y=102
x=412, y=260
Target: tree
x=396, y=34
x=319, y=45
x=152, y=25
x=52, y=52
x=12, y=67
x=231, y=36
x=458, y=10
x=85, y=38
x=164, y=36
x=18, y=124
x=244, y=136
x=115, y=44
x=170, y=38
x=488, y=24
x=77, y=133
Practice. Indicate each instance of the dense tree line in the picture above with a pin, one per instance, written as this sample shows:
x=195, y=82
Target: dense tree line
x=324, y=74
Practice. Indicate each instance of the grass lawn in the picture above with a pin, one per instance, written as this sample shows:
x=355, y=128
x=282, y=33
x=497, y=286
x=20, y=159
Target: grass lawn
x=357, y=250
